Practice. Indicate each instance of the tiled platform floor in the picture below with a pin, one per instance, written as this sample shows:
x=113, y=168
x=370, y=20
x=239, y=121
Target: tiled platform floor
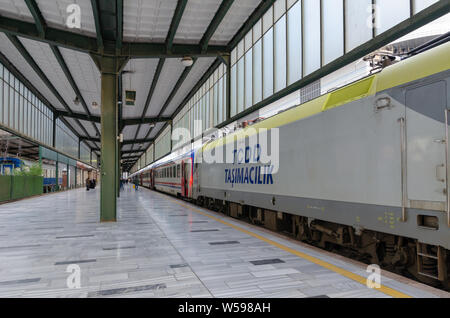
x=159, y=248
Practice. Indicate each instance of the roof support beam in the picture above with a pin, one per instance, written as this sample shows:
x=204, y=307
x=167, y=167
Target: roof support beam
x=58, y=37
x=177, y=86
x=137, y=141
x=69, y=77
x=93, y=119
x=131, y=157
x=176, y=19
x=132, y=151
x=98, y=28
x=197, y=86
x=37, y=16
x=179, y=10
x=150, y=93
x=153, y=86
x=145, y=120
x=126, y=122
x=87, y=44
x=36, y=92
x=204, y=43
x=251, y=21
x=119, y=23
x=19, y=46
x=159, y=50
x=218, y=17
x=174, y=91
x=125, y=142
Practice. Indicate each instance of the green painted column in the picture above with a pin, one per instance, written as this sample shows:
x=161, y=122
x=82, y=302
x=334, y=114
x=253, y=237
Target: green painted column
x=108, y=202
x=118, y=170
x=227, y=61
x=110, y=68
x=57, y=176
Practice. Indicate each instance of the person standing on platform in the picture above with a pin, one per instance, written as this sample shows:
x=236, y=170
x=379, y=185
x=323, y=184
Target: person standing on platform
x=136, y=184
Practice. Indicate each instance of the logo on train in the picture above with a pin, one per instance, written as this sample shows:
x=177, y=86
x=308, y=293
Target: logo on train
x=257, y=174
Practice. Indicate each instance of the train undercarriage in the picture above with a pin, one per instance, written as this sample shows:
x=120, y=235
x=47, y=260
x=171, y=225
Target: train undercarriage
x=426, y=263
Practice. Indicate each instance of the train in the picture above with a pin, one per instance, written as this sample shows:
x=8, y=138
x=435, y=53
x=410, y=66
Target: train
x=362, y=169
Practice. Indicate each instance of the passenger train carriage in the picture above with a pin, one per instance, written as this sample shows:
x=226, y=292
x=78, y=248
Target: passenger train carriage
x=364, y=168
x=174, y=177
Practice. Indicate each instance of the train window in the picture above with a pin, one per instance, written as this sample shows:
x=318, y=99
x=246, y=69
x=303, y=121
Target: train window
x=178, y=171
x=174, y=171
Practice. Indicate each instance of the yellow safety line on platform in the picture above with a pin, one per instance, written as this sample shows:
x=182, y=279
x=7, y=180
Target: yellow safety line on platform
x=384, y=289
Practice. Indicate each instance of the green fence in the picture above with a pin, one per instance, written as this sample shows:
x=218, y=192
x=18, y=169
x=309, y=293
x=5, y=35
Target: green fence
x=18, y=187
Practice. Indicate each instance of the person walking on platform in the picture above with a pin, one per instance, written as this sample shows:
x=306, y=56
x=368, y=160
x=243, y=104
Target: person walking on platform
x=136, y=184
x=88, y=184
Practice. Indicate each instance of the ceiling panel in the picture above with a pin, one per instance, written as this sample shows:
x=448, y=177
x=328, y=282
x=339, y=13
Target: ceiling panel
x=11, y=53
x=55, y=15
x=90, y=128
x=234, y=19
x=156, y=130
x=140, y=79
x=147, y=20
x=197, y=71
x=44, y=57
x=143, y=131
x=196, y=18
x=129, y=132
x=77, y=127
x=86, y=76
x=15, y=9
x=126, y=147
x=169, y=76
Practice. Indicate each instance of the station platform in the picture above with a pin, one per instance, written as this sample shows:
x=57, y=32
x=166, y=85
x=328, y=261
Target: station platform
x=165, y=247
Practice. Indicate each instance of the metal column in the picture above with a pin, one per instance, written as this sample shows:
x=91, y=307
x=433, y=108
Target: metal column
x=108, y=189
x=54, y=131
x=110, y=68
x=227, y=60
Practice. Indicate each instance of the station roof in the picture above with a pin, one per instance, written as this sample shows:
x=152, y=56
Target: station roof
x=153, y=35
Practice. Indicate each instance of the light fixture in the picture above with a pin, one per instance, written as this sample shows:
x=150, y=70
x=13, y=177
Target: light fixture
x=187, y=61
x=130, y=97
x=76, y=101
x=94, y=104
